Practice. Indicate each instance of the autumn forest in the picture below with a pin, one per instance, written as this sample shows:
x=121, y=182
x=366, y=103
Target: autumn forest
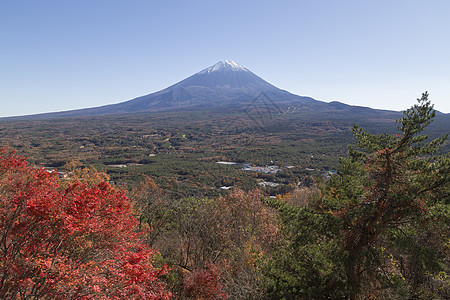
x=208, y=205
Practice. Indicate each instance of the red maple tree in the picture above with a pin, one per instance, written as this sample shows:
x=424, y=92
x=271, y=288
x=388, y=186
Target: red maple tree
x=204, y=284
x=74, y=242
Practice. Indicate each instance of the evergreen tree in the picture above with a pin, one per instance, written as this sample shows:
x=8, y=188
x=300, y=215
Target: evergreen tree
x=380, y=228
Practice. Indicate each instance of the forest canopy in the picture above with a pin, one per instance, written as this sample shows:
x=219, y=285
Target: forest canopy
x=378, y=229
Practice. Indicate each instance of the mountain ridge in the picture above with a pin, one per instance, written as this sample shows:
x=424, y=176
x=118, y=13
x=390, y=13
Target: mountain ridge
x=224, y=86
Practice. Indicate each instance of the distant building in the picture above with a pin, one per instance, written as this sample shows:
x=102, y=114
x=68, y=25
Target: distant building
x=268, y=183
x=266, y=170
x=61, y=175
x=248, y=167
x=330, y=173
x=226, y=163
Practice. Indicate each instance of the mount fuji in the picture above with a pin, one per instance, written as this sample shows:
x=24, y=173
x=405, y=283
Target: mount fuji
x=225, y=86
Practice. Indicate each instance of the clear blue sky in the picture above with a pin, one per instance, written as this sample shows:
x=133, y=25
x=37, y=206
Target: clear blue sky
x=59, y=55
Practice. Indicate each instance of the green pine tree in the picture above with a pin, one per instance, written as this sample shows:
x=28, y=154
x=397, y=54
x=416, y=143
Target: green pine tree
x=380, y=228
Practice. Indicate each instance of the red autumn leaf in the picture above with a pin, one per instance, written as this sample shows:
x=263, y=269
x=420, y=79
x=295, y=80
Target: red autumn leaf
x=77, y=242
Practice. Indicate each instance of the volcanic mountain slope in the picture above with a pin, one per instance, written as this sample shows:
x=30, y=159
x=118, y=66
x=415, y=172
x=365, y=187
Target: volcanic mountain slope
x=225, y=86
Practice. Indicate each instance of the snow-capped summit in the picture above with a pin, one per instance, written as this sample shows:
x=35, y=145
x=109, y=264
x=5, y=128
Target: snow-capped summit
x=224, y=86
x=224, y=65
